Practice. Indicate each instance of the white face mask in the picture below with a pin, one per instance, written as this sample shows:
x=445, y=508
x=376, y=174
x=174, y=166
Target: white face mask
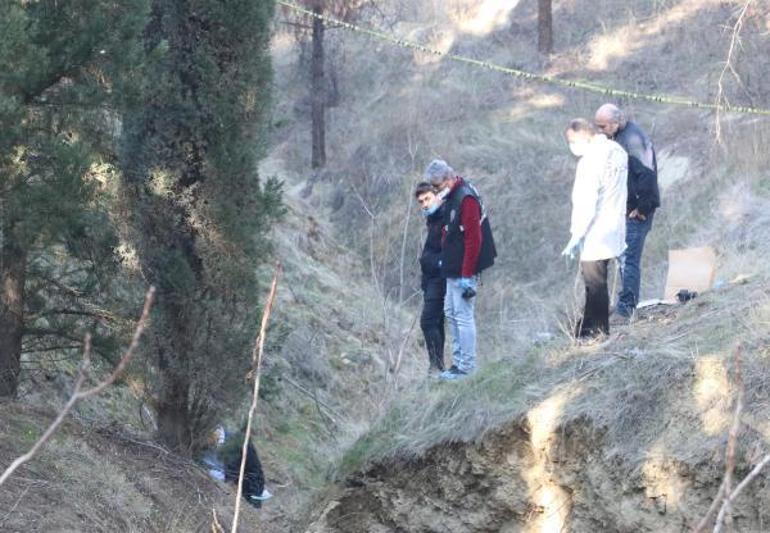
x=428, y=211
x=579, y=148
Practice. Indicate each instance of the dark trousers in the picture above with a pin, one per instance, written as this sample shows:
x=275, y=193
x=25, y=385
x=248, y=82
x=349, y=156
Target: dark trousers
x=596, y=315
x=432, y=321
x=630, y=264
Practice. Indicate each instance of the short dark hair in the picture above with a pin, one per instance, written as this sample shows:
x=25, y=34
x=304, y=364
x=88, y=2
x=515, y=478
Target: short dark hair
x=581, y=125
x=422, y=188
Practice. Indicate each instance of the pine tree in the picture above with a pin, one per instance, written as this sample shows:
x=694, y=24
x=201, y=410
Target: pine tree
x=197, y=211
x=63, y=66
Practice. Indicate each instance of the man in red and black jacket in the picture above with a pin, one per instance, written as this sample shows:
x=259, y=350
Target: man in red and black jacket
x=467, y=248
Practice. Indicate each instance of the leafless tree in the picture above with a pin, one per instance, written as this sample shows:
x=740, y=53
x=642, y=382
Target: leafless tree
x=343, y=10
x=544, y=26
x=721, y=99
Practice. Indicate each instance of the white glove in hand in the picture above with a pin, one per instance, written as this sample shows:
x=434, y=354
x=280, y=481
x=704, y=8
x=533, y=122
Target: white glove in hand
x=574, y=246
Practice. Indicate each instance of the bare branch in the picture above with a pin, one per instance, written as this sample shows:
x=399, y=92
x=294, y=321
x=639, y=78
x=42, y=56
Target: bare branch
x=216, y=527
x=726, y=506
x=15, y=505
x=732, y=440
x=77, y=393
x=705, y=520
x=256, y=359
x=721, y=100
x=725, y=494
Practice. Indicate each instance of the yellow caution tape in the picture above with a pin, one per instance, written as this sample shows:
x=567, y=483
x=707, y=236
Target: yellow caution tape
x=574, y=84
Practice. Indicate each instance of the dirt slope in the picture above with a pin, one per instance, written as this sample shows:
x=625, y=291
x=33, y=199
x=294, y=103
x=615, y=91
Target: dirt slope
x=624, y=436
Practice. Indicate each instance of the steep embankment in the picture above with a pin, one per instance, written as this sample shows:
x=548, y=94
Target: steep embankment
x=624, y=436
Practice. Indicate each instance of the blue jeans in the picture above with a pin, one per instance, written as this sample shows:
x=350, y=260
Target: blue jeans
x=462, y=325
x=630, y=264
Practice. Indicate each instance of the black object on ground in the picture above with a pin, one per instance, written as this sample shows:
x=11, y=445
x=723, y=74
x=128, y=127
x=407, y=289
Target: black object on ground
x=685, y=296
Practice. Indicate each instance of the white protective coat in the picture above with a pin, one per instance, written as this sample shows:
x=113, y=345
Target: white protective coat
x=599, y=200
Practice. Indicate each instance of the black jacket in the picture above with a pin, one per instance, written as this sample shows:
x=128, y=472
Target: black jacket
x=453, y=249
x=431, y=252
x=643, y=192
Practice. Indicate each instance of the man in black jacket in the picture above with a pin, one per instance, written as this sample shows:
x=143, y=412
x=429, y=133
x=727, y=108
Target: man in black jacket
x=433, y=284
x=643, y=199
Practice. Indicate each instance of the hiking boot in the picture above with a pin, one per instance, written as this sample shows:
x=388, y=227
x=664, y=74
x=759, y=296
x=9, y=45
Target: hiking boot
x=452, y=374
x=620, y=320
x=434, y=371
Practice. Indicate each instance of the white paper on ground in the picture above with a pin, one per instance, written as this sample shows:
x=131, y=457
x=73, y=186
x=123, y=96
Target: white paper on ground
x=654, y=301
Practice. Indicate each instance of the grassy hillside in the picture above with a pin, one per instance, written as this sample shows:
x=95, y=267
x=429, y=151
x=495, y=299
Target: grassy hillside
x=399, y=109
x=343, y=396
x=661, y=391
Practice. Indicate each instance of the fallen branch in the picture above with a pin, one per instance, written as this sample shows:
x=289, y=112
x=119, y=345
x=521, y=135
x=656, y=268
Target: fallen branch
x=15, y=505
x=78, y=394
x=318, y=402
x=256, y=359
x=216, y=527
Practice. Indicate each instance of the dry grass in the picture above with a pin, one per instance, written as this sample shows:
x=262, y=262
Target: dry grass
x=339, y=324
x=647, y=382
x=506, y=136
x=399, y=110
x=88, y=480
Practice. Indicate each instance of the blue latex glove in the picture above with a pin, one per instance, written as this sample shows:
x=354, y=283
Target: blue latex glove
x=574, y=247
x=467, y=283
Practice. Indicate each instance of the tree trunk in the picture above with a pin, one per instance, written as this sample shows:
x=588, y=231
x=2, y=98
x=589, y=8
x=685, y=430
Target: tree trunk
x=173, y=407
x=13, y=264
x=318, y=98
x=544, y=26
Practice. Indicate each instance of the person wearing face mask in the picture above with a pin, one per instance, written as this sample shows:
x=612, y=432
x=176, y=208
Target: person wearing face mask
x=433, y=283
x=467, y=248
x=643, y=200
x=598, y=224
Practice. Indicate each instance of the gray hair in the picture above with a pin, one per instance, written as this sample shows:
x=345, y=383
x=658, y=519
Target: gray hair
x=614, y=113
x=438, y=170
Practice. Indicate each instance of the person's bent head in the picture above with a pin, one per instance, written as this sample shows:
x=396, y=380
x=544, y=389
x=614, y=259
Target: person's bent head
x=579, y=134
x=425, y=194
x=609, y=119
x=440, y=174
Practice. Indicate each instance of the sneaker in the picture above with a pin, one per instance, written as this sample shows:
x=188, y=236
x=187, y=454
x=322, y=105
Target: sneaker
x=266, y=495
x=453, y=374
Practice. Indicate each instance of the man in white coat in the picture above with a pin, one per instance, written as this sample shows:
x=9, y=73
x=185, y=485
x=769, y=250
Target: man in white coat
x=598, y=225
